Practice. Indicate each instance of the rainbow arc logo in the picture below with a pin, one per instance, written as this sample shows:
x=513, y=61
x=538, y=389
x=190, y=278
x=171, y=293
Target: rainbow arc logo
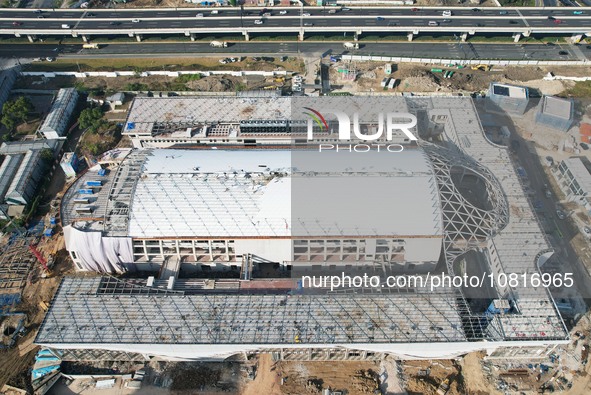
x=317, y=117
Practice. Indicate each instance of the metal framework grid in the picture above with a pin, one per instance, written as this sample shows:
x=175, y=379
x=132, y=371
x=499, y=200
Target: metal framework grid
x=15, y=263
x=510, y=231
x=81, y=315
x=118, y=209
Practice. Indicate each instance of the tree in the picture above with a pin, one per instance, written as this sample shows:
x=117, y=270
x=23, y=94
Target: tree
x=90, y=118
x=15, y=112
x=47, y=154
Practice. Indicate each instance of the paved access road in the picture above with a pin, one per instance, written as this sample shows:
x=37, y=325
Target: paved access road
x=459, y=51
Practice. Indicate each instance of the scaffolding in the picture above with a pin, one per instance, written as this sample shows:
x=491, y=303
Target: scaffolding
x=15, y=263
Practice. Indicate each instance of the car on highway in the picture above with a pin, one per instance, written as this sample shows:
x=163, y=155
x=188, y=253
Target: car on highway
x=560, y=214
x=258, y=22
x=50, y=59
x=345, y=9
x=557, y=21
x=562, y=53
x=513, y=22
x=267, y=14
x=200, y=15
x=380, y=18
x=135, y=20
x=16, y=23
x=332, y=11
x=306, y=14
x=433, y=23
x=476, y=9
x=415, y=9
x=215, y=12
x=40, y=17
x=446, y=21
x=502, y=12
x=261, y=12
x=90, y=15
x=283, y=12
x=447, y=13
x=308, y=24
x=578, y=12
x=38, y=11
x=114, y=23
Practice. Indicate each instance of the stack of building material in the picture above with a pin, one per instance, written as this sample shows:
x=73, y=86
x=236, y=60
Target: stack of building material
x=46, y=371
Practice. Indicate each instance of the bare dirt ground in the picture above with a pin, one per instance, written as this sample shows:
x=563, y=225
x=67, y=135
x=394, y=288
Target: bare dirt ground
x=420, y=78
x=267, y=380
x=475, y=382
x=300, y=378
x=439, y=371
x=352, y=377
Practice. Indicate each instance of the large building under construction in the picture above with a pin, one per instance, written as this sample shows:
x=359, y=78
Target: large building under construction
x=221, y=231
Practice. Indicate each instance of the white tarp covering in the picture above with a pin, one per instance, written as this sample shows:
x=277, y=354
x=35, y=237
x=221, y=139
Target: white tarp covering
x=98, y=253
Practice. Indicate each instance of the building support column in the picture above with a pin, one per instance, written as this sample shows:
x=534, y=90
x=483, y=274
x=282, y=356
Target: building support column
x=516, y=37
x=576, y=38
x=138, y=37
x=301, y=36
x=85, y=38
x=356, y=35
x=192, y=36
x=246, y=36
x=464, y=37
x=31, y=37
x=410, y=36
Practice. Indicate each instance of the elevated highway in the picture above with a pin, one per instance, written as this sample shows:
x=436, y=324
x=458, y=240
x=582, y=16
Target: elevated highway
x=296, y=20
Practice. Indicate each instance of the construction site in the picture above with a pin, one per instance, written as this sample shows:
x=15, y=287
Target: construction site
x=162, y=295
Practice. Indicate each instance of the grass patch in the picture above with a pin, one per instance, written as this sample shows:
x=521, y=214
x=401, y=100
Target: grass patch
x=485, y=39
x=581, y=89
x=517, y=3
x=138, y=65
x=254, y=37
x=187, y=77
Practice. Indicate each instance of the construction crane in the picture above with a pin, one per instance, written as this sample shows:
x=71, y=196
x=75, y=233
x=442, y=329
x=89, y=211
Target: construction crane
x=40, y=258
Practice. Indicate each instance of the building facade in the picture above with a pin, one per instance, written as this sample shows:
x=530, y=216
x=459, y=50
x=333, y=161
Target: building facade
x=574, y=179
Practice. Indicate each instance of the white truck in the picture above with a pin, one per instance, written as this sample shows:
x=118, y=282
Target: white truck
x=218, y=44
x=350, y=45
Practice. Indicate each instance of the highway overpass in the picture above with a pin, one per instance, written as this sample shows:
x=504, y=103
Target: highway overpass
x=356, y=21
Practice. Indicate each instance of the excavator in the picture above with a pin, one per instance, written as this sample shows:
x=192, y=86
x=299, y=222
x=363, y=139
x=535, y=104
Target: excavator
x=481, y=67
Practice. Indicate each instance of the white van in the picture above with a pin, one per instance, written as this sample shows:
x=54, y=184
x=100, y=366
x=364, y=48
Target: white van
x=433, y=23
x=64, y=26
